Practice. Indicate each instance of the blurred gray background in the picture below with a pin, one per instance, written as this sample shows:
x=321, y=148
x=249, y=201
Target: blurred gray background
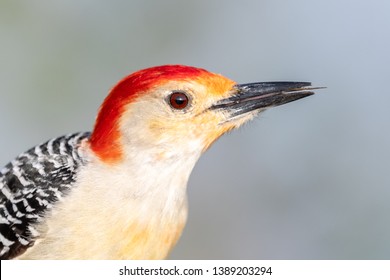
x=307, y=180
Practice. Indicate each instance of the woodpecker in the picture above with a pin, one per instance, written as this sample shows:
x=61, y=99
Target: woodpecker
x=119, y=192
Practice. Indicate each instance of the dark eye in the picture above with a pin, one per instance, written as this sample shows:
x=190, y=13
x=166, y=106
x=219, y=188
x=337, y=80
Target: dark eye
x=178, y=100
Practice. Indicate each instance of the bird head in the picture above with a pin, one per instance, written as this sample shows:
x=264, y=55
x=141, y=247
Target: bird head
x=173, y=110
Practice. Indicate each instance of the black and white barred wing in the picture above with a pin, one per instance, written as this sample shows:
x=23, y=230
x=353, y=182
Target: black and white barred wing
x=30, y=185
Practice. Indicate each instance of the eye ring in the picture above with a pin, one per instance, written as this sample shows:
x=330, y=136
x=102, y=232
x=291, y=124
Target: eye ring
x=178, y=100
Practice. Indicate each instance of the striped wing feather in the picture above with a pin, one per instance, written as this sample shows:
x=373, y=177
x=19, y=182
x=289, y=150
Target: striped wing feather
x=30, y=185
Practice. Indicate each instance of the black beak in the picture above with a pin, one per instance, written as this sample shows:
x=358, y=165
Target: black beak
x=255, y=96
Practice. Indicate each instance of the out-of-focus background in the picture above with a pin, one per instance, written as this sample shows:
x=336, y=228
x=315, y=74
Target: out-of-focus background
x=307, y=180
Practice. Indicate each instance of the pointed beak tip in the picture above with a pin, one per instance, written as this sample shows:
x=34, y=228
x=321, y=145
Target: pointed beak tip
x=255, y=96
